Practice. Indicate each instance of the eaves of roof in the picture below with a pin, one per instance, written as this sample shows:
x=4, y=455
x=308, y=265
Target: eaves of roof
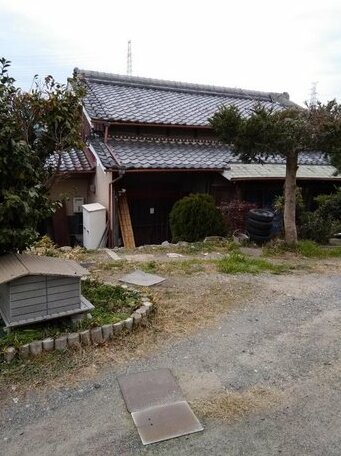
x=136, y=154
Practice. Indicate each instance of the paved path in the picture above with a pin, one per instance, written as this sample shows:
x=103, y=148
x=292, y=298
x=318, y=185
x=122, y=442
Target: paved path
x=288, y=343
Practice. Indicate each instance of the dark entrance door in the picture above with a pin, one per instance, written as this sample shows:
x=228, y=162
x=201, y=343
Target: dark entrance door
x=150, y=220
x=61, y=235
x=151, y=196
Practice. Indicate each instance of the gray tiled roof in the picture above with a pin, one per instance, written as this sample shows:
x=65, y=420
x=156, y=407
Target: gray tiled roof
x=165, y=153
x=144, y=153
x=142, y=100
x=74, y=161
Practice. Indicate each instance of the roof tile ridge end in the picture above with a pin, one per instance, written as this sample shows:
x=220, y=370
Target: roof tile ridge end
x=113, y=154
x=93, y=94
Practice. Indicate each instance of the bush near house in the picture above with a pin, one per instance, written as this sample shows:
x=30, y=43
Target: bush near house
x=321, y=224
x=194, y=217
x=33, y=126
x=234, y=214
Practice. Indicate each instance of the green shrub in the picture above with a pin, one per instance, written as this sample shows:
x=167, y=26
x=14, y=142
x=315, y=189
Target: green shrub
x=315, y=228
x=329, y=206
x=194, y=217
x=321, y=224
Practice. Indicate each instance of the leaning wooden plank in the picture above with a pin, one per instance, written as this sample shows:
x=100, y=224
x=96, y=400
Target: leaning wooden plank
x=125, y=222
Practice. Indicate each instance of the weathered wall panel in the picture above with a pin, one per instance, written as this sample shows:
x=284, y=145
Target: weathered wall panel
x=4, y=300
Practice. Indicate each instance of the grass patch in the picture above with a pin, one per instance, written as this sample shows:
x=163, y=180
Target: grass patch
x=190, y=266
x=306, y=248
x=312, y=250
x=117, y=265
x=216, y=246
x=236, y=263
x=43, y=369
x=189, y=248
x=232, y=406
x=112, y=304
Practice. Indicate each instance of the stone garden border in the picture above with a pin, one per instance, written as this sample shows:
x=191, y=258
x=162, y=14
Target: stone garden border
x=93, y=336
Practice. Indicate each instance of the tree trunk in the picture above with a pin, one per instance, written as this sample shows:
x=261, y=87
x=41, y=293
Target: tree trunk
x=290, y=199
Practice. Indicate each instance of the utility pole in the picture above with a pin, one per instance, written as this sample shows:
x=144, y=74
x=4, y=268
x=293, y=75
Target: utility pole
x=129, y=60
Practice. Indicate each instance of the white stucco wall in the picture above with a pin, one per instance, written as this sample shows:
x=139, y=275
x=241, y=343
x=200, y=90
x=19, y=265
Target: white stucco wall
x=100, y=185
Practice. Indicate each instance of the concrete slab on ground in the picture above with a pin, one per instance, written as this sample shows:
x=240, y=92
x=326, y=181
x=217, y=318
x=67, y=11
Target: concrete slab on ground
x=157, y=406
x=143, y=279
x=147, y=389
x=165, y=422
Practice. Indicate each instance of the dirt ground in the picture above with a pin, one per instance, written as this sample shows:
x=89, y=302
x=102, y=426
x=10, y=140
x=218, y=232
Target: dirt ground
x=257, y=357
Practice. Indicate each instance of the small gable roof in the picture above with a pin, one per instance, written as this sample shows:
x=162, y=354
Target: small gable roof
x=74, y=161
x=118, y=98
x=14, y=265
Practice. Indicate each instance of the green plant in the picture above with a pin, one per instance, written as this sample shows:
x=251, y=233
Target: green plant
x=33, y=126
x=194, y=217
x=311, y=249
x=112, y=303
x=306, y=248
x=45, y=246
x=315, y=228
x=300, y=206
x=150, y=266
x=325, y=221
x=237, y=263
x=266, y=132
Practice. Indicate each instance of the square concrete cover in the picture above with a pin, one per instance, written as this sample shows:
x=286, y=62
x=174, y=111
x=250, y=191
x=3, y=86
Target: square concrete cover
x=147, y=389
x=165, y=422
x=141, y=278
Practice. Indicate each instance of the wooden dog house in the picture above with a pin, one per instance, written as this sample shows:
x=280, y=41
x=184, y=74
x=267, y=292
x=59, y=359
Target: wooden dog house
x=37, y=288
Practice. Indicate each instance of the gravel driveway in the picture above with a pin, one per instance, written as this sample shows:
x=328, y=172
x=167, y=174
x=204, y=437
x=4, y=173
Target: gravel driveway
x=279, y=352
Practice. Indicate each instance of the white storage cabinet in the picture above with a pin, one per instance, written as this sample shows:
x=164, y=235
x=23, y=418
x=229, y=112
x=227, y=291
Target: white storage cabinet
x=94, y=224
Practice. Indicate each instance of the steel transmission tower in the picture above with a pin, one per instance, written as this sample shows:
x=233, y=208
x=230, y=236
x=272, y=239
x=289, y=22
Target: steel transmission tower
x=313, y=93
x=129, y=60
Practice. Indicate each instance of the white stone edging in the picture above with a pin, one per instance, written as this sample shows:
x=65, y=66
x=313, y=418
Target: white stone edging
x=92, y=336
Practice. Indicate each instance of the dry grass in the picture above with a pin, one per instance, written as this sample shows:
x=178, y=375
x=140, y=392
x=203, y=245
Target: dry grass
x=233, y=406
x=184, y=306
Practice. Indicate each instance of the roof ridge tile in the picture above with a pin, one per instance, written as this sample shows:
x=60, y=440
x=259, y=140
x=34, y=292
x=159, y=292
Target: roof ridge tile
x=163, y=84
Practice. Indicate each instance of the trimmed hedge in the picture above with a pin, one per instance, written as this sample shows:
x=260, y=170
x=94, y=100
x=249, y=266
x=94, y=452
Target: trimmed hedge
x=194, y=217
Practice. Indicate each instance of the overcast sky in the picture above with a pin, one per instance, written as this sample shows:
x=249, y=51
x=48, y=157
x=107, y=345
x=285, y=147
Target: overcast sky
x=253, y=44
